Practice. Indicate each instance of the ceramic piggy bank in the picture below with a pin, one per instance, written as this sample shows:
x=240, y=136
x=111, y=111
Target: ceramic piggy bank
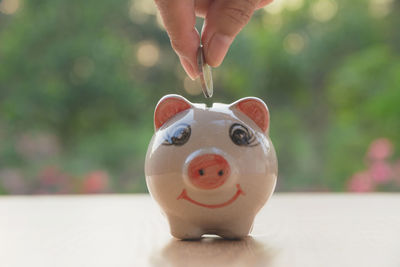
x=210, y=169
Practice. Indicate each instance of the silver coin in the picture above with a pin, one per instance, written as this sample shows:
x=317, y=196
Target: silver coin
x=205, y=74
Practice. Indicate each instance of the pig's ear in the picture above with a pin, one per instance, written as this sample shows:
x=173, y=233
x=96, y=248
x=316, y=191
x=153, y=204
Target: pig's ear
x=255, y=109
x=168, y=107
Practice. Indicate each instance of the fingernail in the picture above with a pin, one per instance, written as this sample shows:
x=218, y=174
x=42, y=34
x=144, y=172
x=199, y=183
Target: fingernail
x=217, y=49
x=189, y=68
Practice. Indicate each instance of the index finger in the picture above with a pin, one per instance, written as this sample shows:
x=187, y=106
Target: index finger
x=179, y=20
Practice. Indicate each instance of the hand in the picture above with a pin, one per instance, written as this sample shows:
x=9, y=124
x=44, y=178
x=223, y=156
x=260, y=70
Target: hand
x=224, y=19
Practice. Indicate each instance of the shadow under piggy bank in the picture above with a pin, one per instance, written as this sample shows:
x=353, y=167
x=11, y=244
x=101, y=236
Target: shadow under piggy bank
x=215, y=251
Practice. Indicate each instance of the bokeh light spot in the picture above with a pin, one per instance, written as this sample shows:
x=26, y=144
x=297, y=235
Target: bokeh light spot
x=278, y=6
x=160, y=22
x=294, y=43
x=139, y=10
x=380, y=8
x=275, y=7
x=144, y=6
x=324, y=10
x=191, y=87
x=273, y=22
x=148, y=53
x=294, y=4
x=9, y=6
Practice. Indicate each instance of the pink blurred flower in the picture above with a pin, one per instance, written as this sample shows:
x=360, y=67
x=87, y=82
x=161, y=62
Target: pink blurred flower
x=13, y=181
x=96, y=182
x=361, y=182
x=51, y=175
x=38, y=145
x=380, y=171
x=53, y=180
x=380, y=149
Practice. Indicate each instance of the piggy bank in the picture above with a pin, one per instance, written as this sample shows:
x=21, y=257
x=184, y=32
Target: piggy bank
x=211, y=169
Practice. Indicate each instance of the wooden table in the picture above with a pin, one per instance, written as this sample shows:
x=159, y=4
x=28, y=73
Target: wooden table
x=128, y=230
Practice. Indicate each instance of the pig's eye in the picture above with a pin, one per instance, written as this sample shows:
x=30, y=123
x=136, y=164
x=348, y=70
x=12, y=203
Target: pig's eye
x=241, y=136
x=178, y=136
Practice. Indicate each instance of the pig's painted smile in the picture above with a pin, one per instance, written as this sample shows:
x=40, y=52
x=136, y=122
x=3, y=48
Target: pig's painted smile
x=184, y=195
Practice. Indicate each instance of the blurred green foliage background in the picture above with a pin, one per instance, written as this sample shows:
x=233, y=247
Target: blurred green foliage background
x=79, y=81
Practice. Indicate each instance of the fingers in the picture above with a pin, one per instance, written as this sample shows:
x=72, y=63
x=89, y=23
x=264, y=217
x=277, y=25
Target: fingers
x=224, y=20
x=179, y=20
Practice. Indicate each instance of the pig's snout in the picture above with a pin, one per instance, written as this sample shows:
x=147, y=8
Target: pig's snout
x=208, y=171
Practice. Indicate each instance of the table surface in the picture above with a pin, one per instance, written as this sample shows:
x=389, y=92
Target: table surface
x=129, y=230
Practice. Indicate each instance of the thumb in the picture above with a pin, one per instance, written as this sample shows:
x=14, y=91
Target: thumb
x=224, y=20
